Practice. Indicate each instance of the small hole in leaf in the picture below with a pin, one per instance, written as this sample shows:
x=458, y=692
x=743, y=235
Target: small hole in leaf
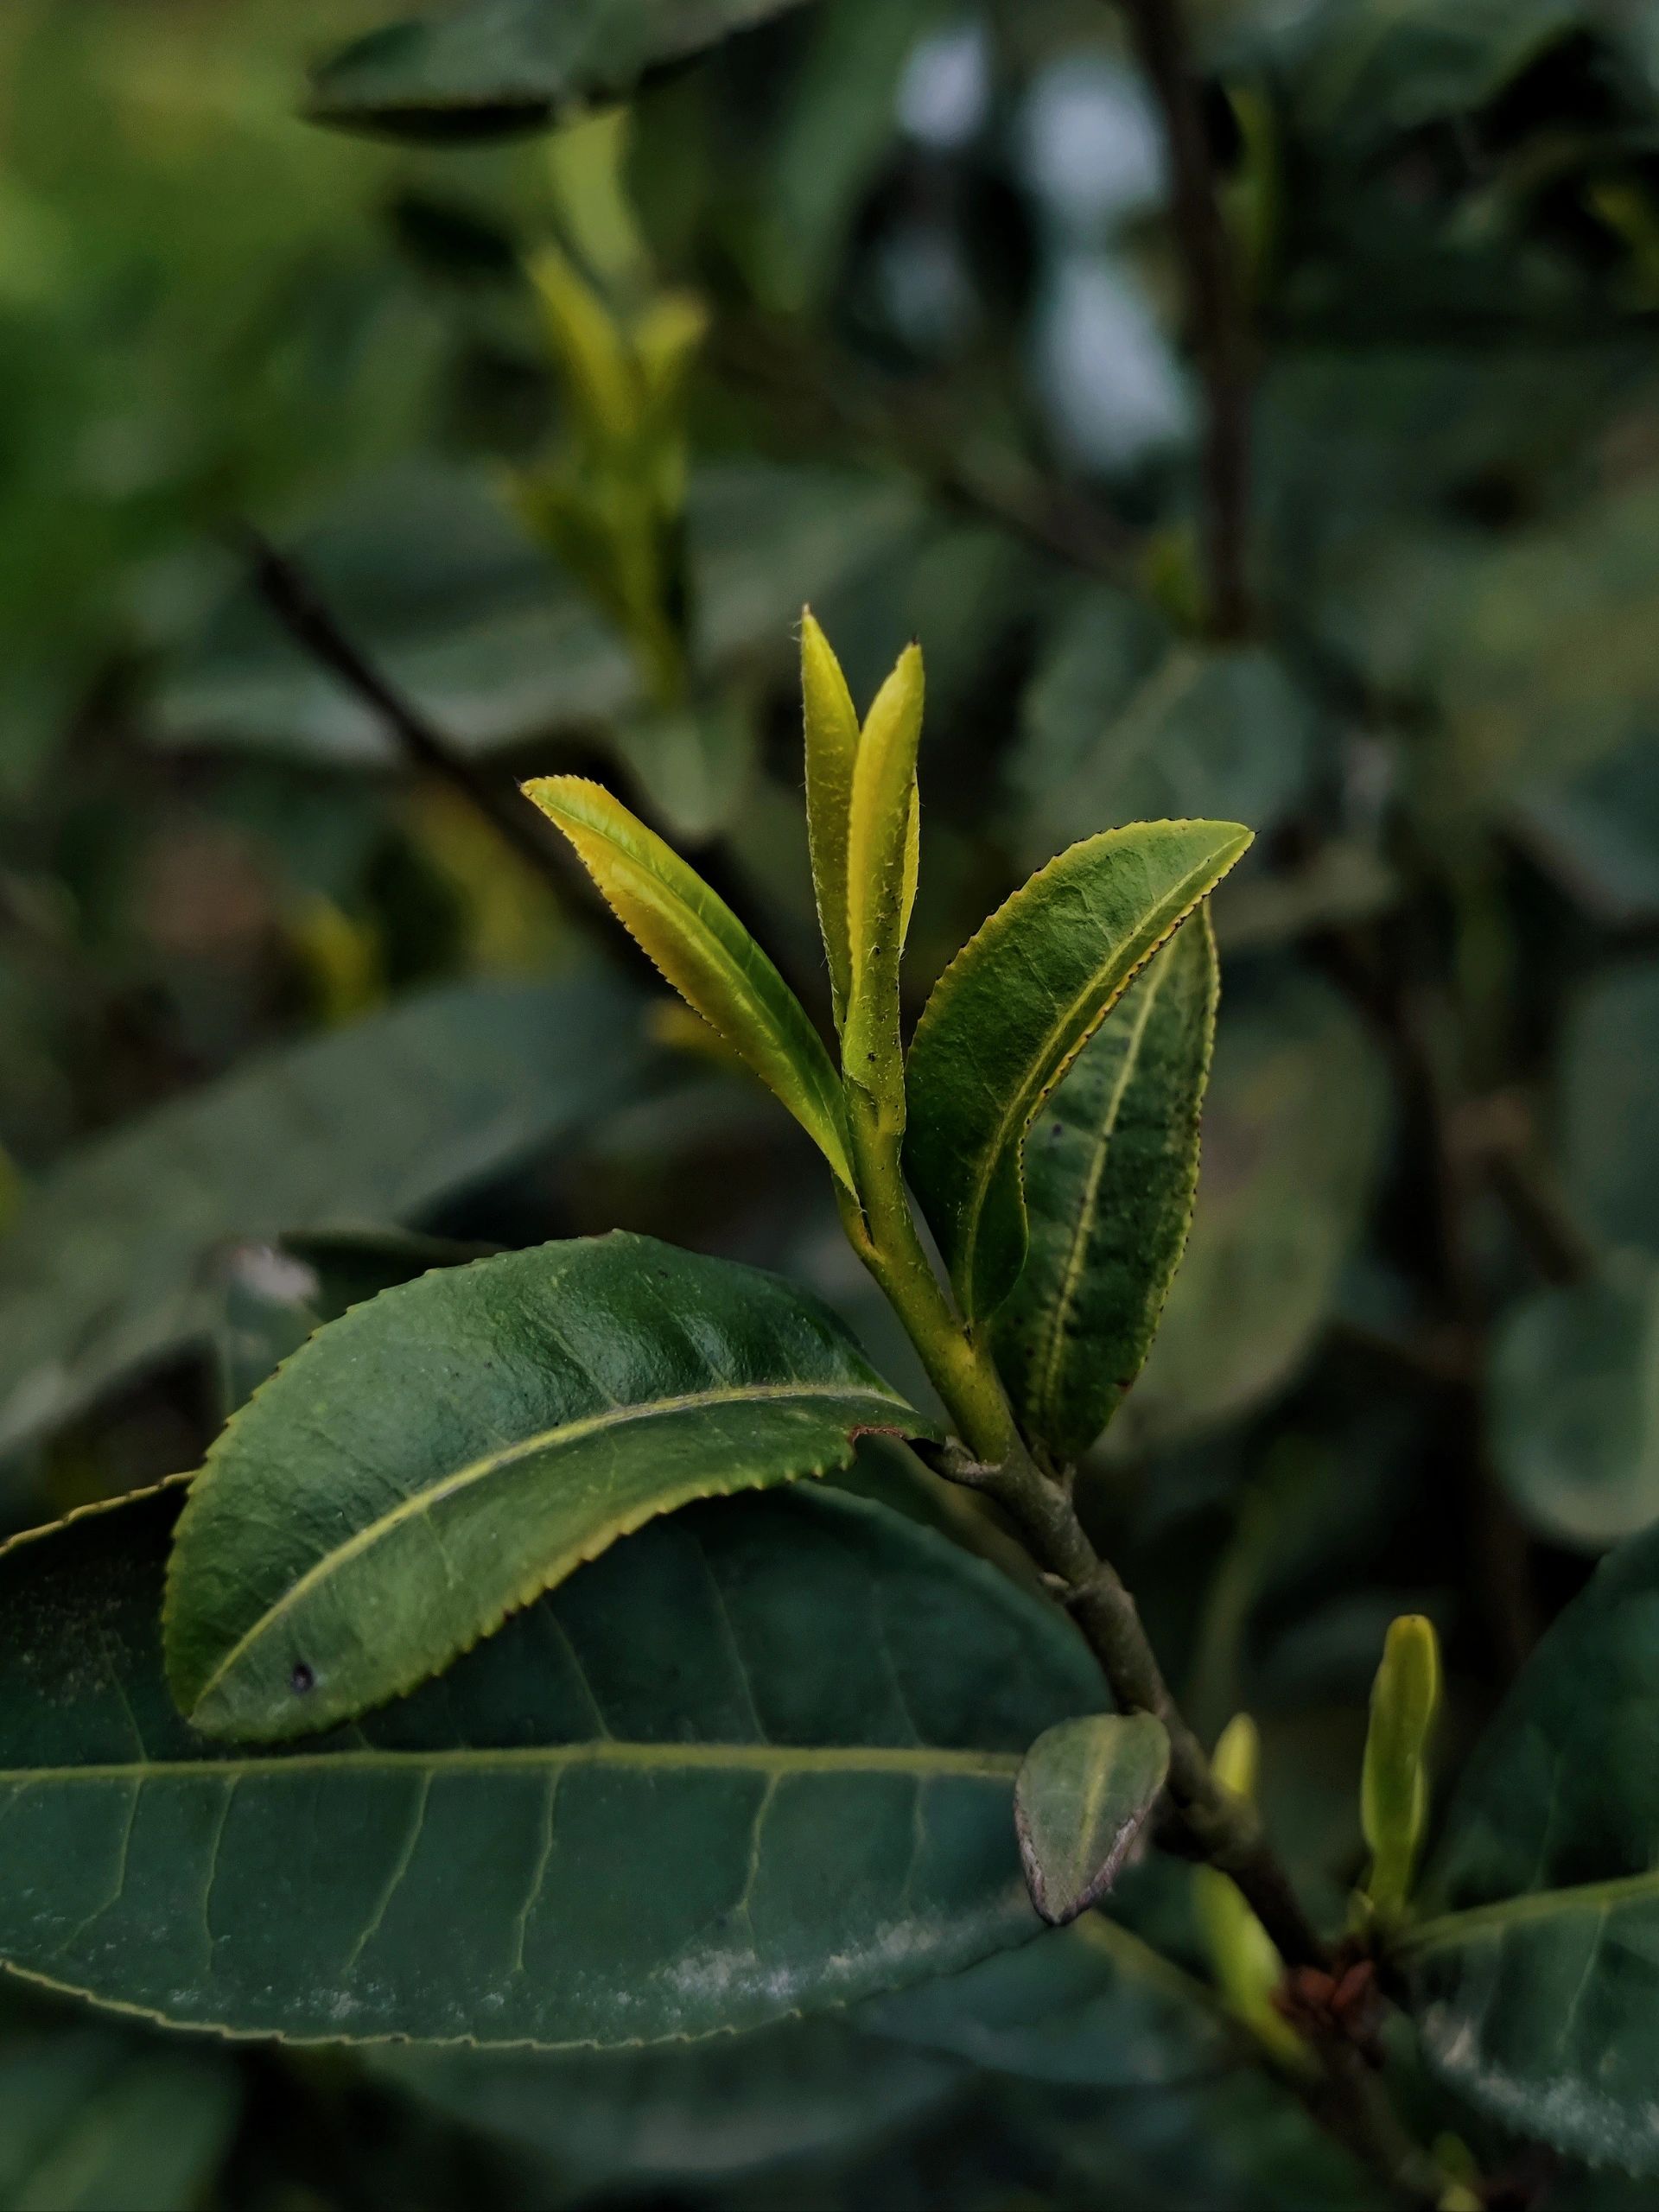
x=303, y=1679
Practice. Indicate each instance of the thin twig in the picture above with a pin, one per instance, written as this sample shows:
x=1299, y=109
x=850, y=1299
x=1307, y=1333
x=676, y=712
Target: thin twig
x=295, y=599
x=1215, y=307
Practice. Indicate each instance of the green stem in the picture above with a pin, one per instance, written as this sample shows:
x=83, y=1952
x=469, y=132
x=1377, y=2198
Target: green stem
x=1223, y=1828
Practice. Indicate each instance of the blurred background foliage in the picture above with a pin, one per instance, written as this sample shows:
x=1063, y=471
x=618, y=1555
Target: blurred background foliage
x=877, y=305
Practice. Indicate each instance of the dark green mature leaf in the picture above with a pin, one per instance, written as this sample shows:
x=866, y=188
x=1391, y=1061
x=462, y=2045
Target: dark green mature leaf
x=1293, y=1134
x=1609, y=1105
x=1080, y=1802
x=1012, y=1012
x=94, y=2120
x=109, y=1265
x=1125, y=721
x=501, y=65
x=429, y=571
x=443, y=1455
x=1090, y=2005
x=1110, y=1174
x=685, y=2113
x=758, y=1759
x=1574, y=1397
x=1534, y=1987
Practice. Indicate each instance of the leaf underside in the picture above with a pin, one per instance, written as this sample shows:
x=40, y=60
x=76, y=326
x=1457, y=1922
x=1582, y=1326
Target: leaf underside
x=1079, y=1805
x=442, y=1454
x=758, y=1759
x=1012, y=1012
x=1111, y=1170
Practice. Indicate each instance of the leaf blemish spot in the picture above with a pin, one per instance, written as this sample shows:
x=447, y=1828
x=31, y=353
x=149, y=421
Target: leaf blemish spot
x=303, y=1679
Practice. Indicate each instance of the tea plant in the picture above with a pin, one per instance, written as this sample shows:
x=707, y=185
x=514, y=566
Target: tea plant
x=438, y=1708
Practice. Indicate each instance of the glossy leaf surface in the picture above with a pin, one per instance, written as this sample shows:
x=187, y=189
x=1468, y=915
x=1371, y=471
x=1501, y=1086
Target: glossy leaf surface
x=1293, y=1125
x=1111, y=1170
x=516, y=65
x=1535, y=1983
x=1574, y=1396
x=1081, y=1798
x=442, y=1455
x=109, y=1265
x=758, y=1759
x=705, y=953
x=1012, y=1012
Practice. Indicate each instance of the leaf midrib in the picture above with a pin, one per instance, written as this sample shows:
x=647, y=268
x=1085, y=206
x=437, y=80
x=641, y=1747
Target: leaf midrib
x=1083, y=1229
x=476, y=1471
x=746, y=1758
x=1017, y=1116
x=1455, y=1928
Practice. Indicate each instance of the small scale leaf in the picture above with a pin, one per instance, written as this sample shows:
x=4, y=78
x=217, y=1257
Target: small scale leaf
x=883, y=858
x=1012, y=1010
x=1080, y=1802
x=832, y=731
x=1394, y=1785
x=1111, y=1171
x=1247, y=1965
x=440, y=1456
x=705, y=953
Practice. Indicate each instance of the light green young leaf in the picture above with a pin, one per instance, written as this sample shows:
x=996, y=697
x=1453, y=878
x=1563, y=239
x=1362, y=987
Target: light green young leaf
x=831, y=723
x=1247, y=1965
x=1534, y=1984
x=705, y=953
x=437, y=1458
x=883, y=858
x=1394, y=1784
x=1080, y=1802
x=758, y=1760
x=1110, y=1175
x=1012, y=1010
